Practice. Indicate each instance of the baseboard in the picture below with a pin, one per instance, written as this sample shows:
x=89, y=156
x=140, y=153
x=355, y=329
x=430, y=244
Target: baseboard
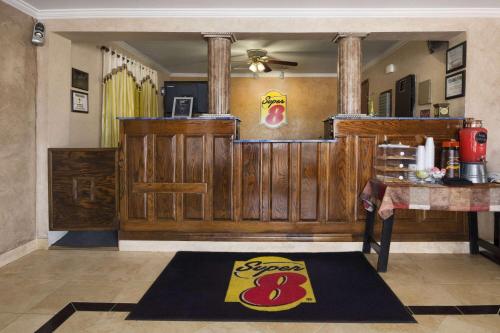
x=396, y=247
x=21, y=251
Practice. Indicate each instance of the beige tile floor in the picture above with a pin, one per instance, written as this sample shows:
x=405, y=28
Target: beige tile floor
x=37, y=286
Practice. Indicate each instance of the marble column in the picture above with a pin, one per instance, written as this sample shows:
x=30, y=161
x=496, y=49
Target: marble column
x=219, y=71
x=349, y=63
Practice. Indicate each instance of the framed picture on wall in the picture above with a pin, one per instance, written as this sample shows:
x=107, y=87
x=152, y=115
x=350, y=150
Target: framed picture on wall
x=183, y=107
x=79, y=102
x=456, y=57
x=79, y=79
x=455, y=85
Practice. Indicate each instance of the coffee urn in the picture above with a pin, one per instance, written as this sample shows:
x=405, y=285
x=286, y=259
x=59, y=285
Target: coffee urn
x=473, y=139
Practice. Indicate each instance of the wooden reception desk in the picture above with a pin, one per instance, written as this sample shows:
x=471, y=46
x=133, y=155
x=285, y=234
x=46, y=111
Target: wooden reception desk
x=194, y=179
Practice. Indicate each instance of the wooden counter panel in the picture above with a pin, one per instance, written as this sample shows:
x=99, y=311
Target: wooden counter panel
x=165, y=173
x=136, y=166
x=194, y=179
x=222, y=177
x=394, y=127
x=250, y=180
x=193, y=173
x=286, y=181
x=280, y=181
x=181, y=126
x=309, y=167
x=338, y=181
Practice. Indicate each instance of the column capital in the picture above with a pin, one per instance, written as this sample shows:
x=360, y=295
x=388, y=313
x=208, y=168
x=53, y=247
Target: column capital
x=340, y=35
x=228, y=35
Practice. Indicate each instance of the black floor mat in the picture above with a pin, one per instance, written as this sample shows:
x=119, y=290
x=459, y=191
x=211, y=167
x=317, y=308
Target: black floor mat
x=293, y=287
x=88, y=239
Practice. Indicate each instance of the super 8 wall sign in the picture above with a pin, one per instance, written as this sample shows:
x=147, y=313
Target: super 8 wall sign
x=270, y=284
x=273, y=109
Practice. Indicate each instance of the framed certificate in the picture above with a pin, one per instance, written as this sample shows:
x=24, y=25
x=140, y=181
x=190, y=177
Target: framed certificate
x=79, y=102
x=455, y=85
x=456, y=57
x=183, y=107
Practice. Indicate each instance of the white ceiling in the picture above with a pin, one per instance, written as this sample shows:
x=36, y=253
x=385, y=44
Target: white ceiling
x=313, y=56
x=93, y=4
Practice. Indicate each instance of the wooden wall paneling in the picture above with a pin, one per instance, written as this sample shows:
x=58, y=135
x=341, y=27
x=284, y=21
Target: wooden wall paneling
x=250, y=197
x=338, y=181
x=150, y=177
x=194, y=165
x=179, y=176
x=208, y=173
x=308, y=177
x=366, y=149
x=83, y=189
x=237, y=182
x=265, y=181
x=136, y=172
x=391, y=127
x=294, y=182
x=165, y=173
x=222, y=177
x=323, y=180
x=280, y=181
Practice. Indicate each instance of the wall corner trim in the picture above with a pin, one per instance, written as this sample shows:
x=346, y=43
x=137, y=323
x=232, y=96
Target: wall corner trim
x=21, y=251
x=24, y=7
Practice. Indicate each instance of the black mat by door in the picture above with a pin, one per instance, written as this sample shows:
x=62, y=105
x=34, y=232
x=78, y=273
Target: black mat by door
x=293, y=287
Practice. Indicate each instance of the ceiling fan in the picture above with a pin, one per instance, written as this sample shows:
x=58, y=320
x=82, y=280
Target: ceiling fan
x=259, y=61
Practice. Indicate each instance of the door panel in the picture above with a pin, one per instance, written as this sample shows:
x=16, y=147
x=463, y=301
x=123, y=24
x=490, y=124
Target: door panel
x=82, y=189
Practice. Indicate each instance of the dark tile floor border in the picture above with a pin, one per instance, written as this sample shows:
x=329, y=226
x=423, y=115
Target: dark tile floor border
x=59, y=318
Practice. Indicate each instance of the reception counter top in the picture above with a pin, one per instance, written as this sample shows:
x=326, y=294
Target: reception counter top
x=283, y=140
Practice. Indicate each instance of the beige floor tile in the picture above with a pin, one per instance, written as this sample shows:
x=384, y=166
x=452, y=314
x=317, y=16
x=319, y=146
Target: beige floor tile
x=470, y=324
x=20, y=294
x=7, y=318
x=480, y=293
x=78, y=291
x=107, y=322
x=133, y=292
x=26, y=323
x=293, y=327
x=423, y=293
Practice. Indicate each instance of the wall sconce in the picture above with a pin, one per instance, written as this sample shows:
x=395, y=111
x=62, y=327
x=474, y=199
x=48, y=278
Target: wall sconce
x=390, y=69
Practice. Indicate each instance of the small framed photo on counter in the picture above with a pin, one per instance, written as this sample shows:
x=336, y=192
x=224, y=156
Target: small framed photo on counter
x=456, y=57
x=183, y=107
x=455, y=85
x=79, y=102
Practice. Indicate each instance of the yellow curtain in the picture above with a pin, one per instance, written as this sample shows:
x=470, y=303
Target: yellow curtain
x=148, y=100
x=128, y=91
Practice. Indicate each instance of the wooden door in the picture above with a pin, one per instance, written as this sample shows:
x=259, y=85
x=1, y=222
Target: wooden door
x=82, y=189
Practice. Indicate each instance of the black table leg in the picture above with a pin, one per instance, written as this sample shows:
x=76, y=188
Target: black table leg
x=496, y=235
x=370, y=221
x=492, y=251
x=385, y=244
x=473, y=233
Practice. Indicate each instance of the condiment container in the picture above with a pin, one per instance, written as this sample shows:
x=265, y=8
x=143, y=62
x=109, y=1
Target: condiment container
x=452, y=159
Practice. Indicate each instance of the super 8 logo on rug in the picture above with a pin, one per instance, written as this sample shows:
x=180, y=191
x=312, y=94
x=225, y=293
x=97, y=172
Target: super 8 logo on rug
x=270, y=284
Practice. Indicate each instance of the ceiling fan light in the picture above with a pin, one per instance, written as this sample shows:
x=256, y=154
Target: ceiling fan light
x=253, y=67
x=260, y=67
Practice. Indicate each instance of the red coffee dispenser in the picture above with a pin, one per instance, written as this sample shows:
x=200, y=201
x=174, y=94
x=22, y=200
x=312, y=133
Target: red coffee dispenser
x=473, y=139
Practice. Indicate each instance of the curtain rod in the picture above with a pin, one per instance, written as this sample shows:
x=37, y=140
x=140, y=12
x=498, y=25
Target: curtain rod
x=106, y=49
